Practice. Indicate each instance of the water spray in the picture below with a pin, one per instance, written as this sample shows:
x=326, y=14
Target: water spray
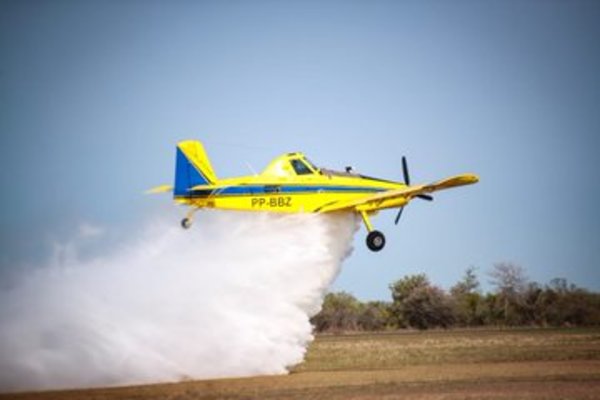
x=231, y=297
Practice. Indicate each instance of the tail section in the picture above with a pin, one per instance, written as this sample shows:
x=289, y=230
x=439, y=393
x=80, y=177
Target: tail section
x=192, y=167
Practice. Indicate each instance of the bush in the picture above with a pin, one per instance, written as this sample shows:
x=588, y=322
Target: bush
x=418, y=304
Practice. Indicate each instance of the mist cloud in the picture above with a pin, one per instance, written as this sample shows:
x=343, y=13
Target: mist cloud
x=230, y=297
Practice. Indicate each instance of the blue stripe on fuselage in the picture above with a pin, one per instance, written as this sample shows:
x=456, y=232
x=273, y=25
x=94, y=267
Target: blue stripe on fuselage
x=249, y=190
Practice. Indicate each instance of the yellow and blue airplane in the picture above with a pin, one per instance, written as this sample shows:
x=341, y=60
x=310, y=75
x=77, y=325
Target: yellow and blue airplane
x=293, y=184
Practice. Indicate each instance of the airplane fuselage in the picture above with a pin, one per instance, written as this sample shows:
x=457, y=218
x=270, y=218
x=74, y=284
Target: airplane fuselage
x=307, y=193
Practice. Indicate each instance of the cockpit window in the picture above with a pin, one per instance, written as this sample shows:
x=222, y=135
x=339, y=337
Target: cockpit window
x=300, y=167
x=306, y=160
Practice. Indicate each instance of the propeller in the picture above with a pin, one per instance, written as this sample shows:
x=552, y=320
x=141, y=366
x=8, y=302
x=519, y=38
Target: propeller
x=407, y=183
x=399, y=215
x=405, y=171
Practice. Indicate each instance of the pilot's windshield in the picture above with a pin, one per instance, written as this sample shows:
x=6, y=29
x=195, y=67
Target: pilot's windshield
x=300, y=167
x=306, y=160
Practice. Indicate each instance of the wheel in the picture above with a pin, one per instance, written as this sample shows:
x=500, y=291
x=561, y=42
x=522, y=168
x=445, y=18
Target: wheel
x=186, y=223
x=375, y=240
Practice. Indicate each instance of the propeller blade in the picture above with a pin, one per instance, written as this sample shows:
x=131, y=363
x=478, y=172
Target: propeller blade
x=398, y=216
x=425, y=197
x=407, y=182
x=405, y=171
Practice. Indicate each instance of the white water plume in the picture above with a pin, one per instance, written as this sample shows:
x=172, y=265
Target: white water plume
x=230, y=297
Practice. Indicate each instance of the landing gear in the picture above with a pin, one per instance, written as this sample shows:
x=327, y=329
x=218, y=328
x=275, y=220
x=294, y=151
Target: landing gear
x=186, y=223
x=375, y=241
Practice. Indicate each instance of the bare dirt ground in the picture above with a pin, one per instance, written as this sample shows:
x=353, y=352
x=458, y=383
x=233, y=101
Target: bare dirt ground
x=458, y=364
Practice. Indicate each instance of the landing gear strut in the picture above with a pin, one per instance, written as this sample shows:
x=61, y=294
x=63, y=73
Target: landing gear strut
x=375, y=239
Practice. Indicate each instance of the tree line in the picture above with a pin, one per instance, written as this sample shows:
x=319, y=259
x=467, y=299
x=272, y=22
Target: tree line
x=417, y=303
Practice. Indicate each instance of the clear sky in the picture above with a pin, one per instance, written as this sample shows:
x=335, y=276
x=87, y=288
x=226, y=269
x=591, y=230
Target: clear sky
x=94, y=95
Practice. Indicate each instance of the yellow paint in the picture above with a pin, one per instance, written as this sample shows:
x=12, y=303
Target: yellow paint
x=292, y=184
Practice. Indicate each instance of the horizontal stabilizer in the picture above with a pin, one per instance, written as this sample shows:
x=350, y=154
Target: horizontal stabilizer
x=209, y=187
x=160, y=189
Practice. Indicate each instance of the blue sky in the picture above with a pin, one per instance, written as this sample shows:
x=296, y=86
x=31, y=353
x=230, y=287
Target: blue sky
x=94, y=96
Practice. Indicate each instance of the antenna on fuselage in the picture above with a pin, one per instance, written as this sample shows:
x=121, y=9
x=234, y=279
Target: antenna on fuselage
x=250, y=168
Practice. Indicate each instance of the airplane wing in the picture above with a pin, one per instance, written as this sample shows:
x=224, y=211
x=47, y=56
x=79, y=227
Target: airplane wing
x=398, y=197
x=169, y=188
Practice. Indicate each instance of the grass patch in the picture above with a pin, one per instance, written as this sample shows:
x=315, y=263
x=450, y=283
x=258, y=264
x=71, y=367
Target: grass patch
x=384, y=351
x=455, y=364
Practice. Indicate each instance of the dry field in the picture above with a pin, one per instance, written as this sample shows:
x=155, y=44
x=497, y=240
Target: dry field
x=469, y=364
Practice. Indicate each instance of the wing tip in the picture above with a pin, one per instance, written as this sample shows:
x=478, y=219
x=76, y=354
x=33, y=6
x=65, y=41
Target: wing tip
x=470, y=179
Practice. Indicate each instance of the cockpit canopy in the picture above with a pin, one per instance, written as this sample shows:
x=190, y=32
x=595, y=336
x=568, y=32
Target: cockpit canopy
x=291, y=164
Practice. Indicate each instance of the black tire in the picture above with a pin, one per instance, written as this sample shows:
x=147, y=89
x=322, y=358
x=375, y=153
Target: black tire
x=186, y=223
x=375, y=241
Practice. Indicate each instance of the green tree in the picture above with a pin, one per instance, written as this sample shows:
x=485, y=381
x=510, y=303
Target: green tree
x=375, y=316
x=567, y=304
x=533, y=305
x=418, y=304
x=340, y=312
x=467, y=301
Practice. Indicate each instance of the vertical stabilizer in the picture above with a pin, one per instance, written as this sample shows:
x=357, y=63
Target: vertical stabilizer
x=192, y=167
